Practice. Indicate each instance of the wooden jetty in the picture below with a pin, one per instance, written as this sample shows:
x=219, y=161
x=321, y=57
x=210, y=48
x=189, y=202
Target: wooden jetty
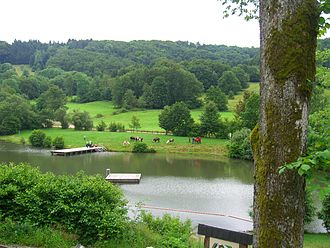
x=123, y=177
x=76, y=151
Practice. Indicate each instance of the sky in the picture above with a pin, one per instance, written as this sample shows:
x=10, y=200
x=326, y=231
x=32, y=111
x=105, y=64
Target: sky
x=125, y=20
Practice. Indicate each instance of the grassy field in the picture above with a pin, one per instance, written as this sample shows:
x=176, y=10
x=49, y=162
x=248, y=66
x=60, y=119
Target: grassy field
x=148, y=118
x=113, y=141
x=317, y=240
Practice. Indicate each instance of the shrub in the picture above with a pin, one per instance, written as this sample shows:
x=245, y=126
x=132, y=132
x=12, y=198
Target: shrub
x=114, y=127
x=174, y=233
x=324, y=214
x=81, y=120
x=58, y=143
x=99, y=115
x=85, y=205
x=240, y=146
x=47, y=142
x=37, y=138
x=101, y=126
x=140, y=147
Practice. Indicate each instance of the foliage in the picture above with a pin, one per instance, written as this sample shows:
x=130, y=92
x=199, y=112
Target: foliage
x=210, y=120
x=129, y=100
x=319, y=131
x=177, y=119
x=163, y=84
x=88, y=206
x=140, y=147
x=47, y=142
x=215, y=95
x=228, y=82
x=16, y=114
x=27, y=234
x=310, y=209
x=37, y=138
x=174, y=233
x=58, y=142
x=247, y=109
x=114, y=127
x=324, y=214
x=81, y=120
x=240, y=146
x=101, y=126
x=61, y=116
x=135, y=123
x=51, y=100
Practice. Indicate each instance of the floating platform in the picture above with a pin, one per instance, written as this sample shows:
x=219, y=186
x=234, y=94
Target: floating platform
x=123, y=177
x=77, y=151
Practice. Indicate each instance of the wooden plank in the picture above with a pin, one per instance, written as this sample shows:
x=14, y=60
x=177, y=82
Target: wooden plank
x=124, y=177
x=241, y=238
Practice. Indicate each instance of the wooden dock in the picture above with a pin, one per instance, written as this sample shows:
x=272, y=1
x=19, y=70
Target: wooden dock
x=76, y=151
x=123, y=177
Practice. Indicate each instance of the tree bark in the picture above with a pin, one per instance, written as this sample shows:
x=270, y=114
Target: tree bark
x=288, y=32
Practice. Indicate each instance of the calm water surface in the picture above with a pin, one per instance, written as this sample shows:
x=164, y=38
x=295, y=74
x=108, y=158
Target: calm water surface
x=168, y=181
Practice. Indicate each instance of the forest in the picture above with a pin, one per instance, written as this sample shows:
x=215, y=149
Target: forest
x=136, y=74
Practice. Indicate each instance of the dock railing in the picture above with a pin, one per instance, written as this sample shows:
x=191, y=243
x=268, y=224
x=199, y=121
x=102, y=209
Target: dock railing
x=243, y=239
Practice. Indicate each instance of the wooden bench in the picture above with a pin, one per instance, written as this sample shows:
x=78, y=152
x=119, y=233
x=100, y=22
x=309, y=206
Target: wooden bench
x=242, y=238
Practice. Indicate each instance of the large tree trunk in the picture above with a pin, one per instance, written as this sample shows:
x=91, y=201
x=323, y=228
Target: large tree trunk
x=288, y=31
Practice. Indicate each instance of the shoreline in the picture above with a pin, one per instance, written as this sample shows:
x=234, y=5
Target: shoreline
x=210, y=149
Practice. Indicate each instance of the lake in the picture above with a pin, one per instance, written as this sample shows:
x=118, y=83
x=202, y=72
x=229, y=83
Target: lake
x=198, y=188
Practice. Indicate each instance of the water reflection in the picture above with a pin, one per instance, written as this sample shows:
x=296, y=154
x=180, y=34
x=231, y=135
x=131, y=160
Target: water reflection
x=168, y=180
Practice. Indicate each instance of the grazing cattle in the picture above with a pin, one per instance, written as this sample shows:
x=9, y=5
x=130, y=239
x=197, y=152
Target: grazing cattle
x=126, y=143
x=169, y=141
x=157, y=139
x=198, y=140
x=136, y=138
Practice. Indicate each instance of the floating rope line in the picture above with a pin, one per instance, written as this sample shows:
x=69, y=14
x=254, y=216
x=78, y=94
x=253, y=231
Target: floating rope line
x=193, y=212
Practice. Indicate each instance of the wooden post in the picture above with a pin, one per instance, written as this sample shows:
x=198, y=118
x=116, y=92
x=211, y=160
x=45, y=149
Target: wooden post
x=107, y=172
x=206, y=242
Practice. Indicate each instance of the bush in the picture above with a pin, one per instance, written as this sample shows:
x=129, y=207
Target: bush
x=37, y=138
x=58, y=143
x=174, y=233
x=47, y=142
x=81, y=120
x=114, y=127
x=240, y=146
x=88, y=206
x=324, y=214
x=99, y=115
x=101, y=126
x=140, y=147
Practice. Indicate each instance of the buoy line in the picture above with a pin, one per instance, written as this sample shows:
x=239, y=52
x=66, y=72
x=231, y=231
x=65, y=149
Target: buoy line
x=192, y=212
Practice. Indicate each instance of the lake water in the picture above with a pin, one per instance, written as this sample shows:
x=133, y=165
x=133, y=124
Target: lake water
x=191, y=187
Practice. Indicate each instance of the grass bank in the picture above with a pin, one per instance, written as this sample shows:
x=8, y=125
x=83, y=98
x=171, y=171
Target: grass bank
x=114, y=141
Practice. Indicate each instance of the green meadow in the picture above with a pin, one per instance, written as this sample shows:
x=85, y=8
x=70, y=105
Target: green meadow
x=113, y=141
x=148, y=118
